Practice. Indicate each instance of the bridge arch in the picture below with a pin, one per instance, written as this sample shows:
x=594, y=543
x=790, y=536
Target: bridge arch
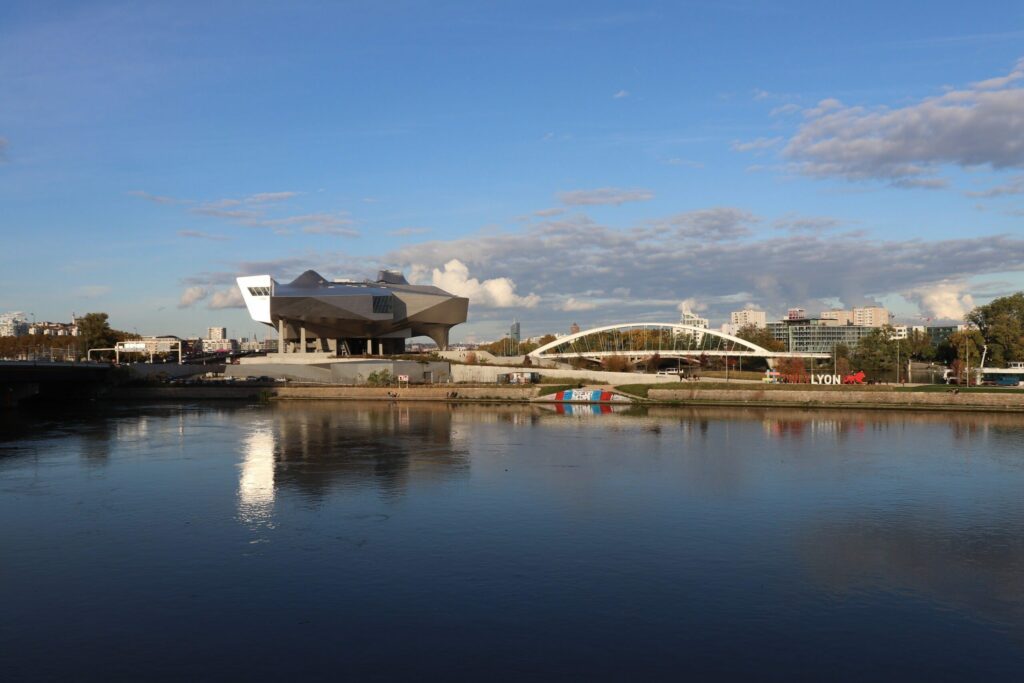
x=641, y=340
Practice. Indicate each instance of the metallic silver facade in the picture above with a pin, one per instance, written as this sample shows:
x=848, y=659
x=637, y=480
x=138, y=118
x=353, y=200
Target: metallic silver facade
x=352, y=318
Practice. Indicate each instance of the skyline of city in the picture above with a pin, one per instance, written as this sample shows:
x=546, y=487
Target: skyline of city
x=578, y=163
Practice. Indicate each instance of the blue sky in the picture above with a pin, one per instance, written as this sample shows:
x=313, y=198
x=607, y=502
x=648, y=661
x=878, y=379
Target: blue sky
x=557, y=162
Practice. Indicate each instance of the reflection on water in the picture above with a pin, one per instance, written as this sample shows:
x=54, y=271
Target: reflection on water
x=427, y=539
x=323, y=446
x=256, y=482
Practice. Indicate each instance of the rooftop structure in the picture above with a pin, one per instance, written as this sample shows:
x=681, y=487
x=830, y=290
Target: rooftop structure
x=349, y=318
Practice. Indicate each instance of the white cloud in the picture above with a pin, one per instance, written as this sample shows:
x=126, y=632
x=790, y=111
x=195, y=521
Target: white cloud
x=757, y=145
x=604, y=195
x=578, y=257
x=813, y=224
x=547, y=213
x=155, y=198
x=314, y=224
x=192, y=295
x=407, y=232
x=620, y=94
x=265, y=197
x=227, y=298
x=906, y=146
x=574, y=304
x=496, y=293
x=1013, y=186
x=785, y=109
x=942, y=300
x=717, y=223
x=691, y=305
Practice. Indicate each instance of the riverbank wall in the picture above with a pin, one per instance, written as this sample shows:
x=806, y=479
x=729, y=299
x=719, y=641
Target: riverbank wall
x=838, y=398
x=444, y=393
x=844, y=398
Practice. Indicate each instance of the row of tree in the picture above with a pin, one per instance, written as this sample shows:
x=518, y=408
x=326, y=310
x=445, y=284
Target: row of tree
x=94, y=332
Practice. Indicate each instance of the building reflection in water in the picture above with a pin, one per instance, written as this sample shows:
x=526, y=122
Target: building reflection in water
x=256, y=479
x=325, y=446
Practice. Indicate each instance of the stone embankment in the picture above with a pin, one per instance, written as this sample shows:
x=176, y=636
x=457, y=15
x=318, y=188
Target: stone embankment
x=843, y=398
x=440, y=393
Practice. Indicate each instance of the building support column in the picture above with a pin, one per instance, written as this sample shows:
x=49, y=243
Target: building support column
x=302, y=338
x=280, y=336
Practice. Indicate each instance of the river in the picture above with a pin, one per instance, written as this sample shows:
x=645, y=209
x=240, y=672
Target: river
x=323, y=540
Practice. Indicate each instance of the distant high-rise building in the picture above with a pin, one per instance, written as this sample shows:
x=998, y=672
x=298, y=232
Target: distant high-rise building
x=840, y=316
x=574, y=328
x=748, y=316
x=514, y=332
x=216, y=333
x=870, y=316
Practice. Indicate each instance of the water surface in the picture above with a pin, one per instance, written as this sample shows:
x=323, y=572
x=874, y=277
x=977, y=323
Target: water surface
x=385, y=541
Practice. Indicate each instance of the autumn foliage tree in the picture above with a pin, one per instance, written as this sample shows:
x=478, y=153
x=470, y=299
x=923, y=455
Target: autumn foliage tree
x=793, y=369
x=615, y=363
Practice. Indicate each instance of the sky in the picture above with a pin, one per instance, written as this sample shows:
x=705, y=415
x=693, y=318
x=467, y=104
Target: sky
x=556, y=162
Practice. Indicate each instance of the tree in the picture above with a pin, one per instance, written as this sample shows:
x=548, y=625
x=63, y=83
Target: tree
x=760, y=336
x=918, y=345
x=94, y=332
x=792, y=369
x=1001, y=324
x=966, y=346
x=546, y=339
x=876, y=352
x=615, y=363
x=579, y=362
x=651, y=365
x=471, y=358
x=527, y=347
x=380, y=378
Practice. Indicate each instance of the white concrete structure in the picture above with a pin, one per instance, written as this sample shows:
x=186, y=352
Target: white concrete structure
x=903, y=331
x=216, y=333
x=693, y=320
x=13, y=324
x=748, y=316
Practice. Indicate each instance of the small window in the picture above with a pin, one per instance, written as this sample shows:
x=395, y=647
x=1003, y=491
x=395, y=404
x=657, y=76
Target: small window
x=259, y=291
x=382, y=304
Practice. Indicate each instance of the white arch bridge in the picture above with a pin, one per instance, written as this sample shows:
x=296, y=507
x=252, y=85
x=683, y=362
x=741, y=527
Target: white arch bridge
x=638, y=341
